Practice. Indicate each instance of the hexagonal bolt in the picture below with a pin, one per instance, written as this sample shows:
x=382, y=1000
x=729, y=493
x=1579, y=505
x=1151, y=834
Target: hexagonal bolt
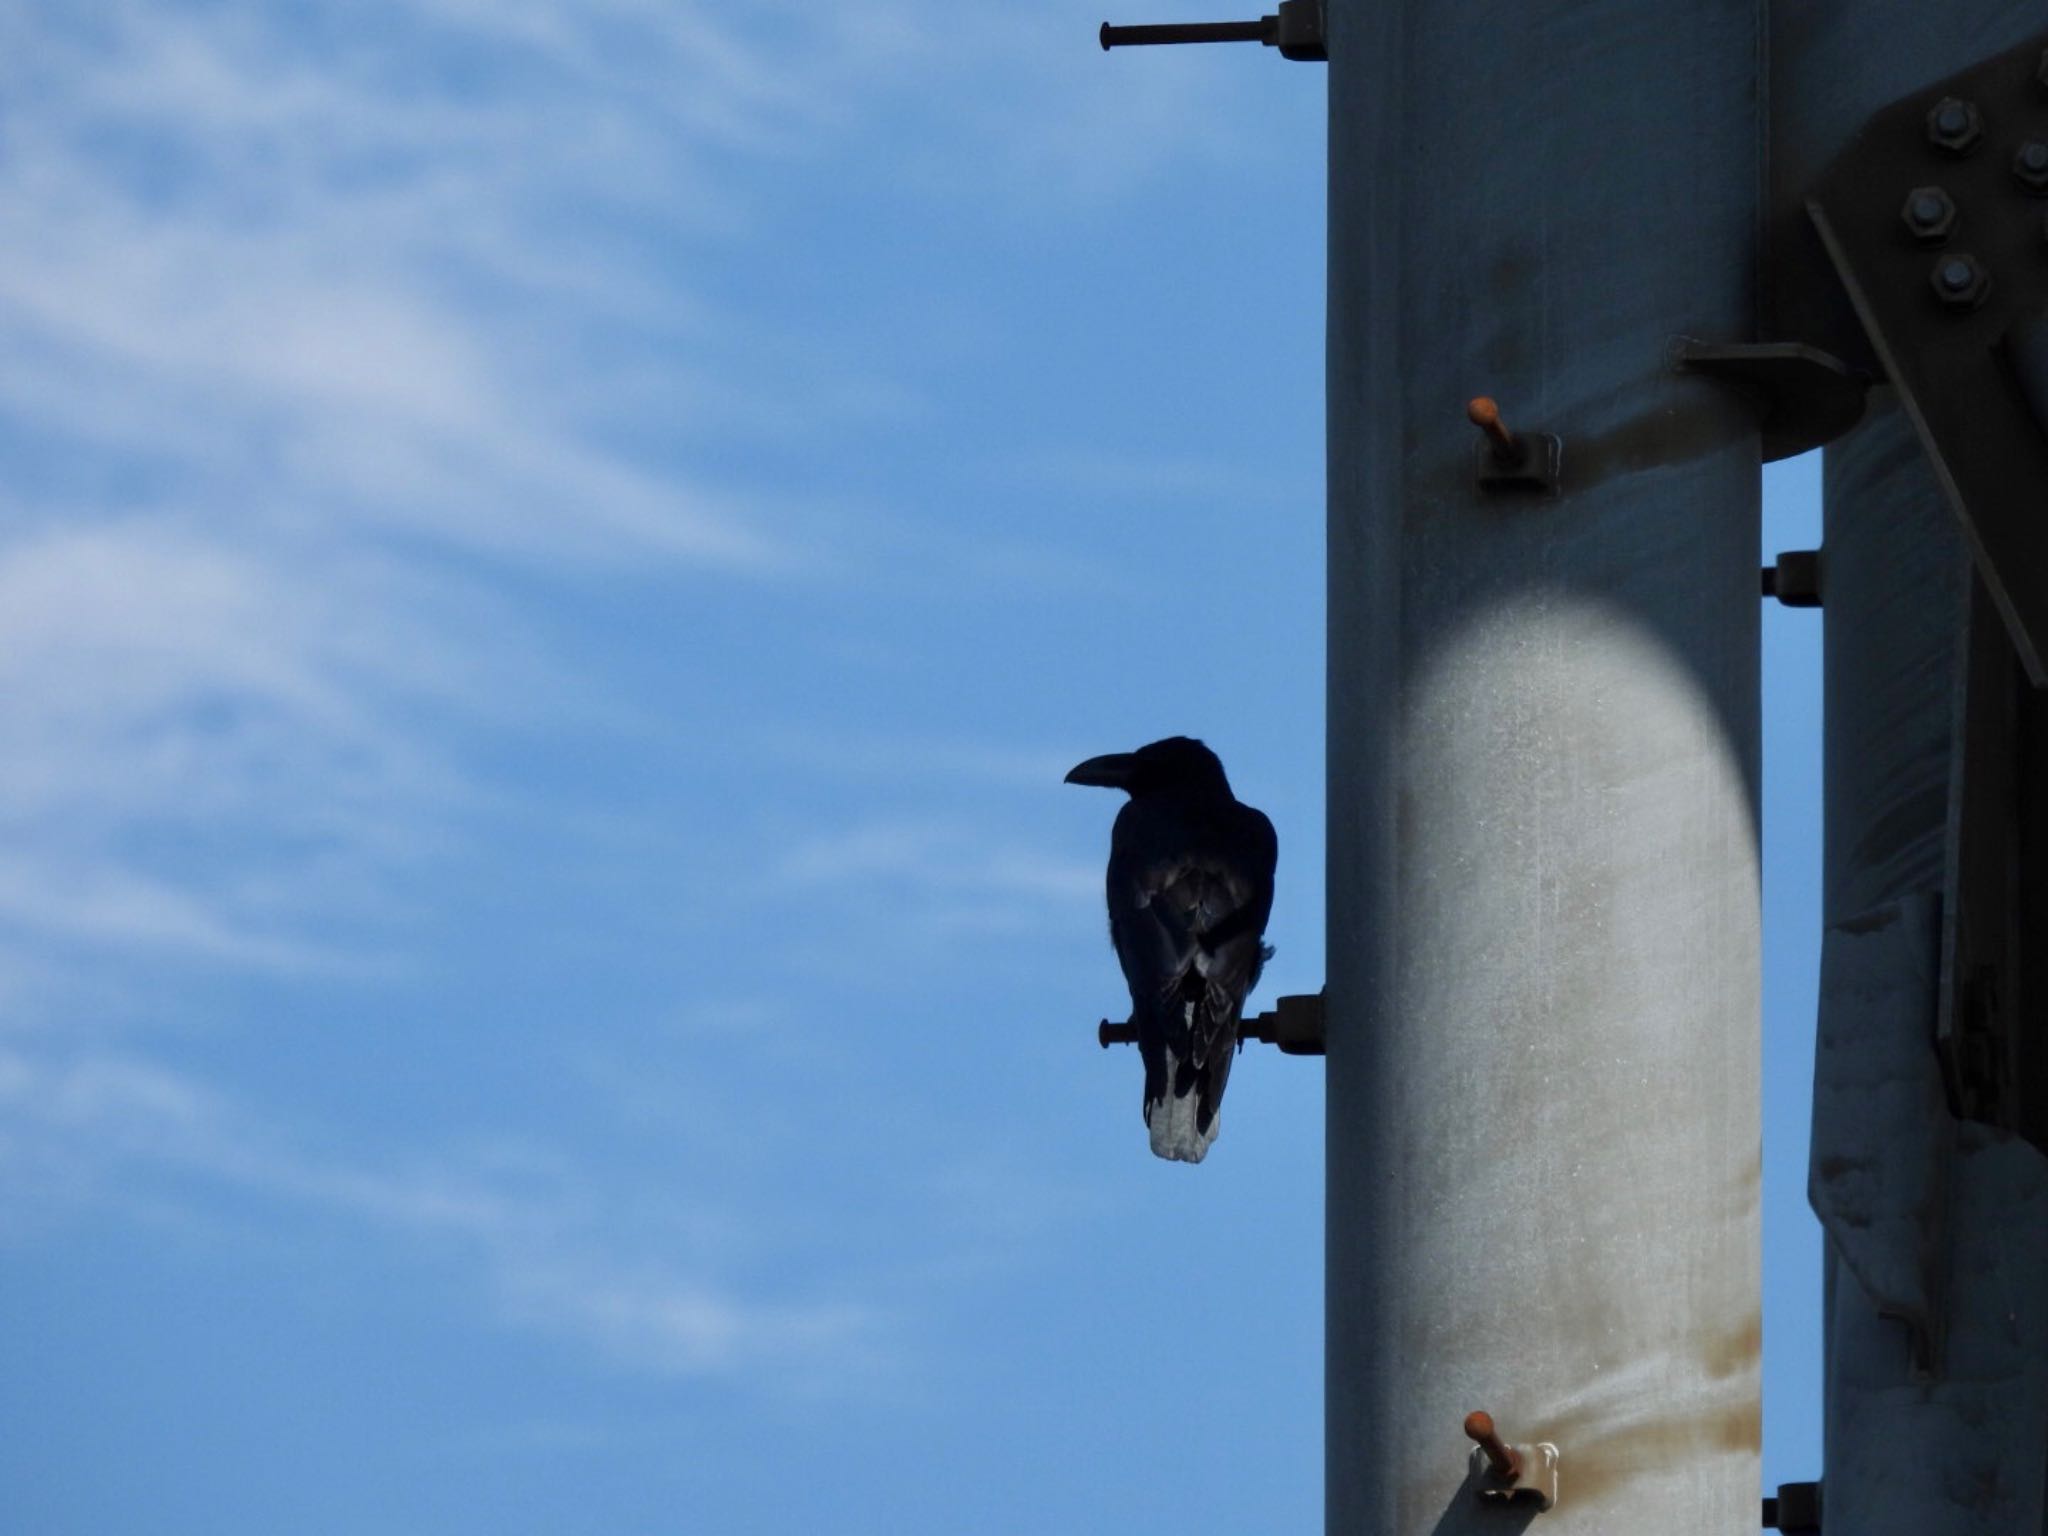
x=1954, y=125
x=1960, y=281
x=2030, y=165
x=1929, y=214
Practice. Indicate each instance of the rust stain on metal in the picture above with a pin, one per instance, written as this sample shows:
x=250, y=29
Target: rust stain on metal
x=1605, y=1454
x=1737, y=1350
x=1753, y=1171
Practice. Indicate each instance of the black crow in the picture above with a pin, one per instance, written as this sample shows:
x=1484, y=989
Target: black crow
x=1190, y=889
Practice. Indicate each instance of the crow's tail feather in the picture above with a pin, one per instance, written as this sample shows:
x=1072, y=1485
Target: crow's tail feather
x=1187, y=1063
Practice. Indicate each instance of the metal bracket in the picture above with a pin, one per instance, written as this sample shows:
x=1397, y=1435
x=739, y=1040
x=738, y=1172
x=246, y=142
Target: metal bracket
x=1295, y=1024
x=1513, y=461
x=1804, y=397
x=1534, y=465
x=1795, y=580
x=1795, y=1509
x=1297, y=31
x=1932, y=218
x=1506, y=1474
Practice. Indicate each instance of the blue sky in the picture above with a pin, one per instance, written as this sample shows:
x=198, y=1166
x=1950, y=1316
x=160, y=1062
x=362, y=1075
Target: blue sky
x=555, y=556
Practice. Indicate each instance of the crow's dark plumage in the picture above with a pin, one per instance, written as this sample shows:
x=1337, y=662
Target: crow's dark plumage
x=1190, y=889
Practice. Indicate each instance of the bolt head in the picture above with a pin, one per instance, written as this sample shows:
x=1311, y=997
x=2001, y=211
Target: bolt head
x=2030, y=165
x=1960, y=281
x=1954, y=125
x=1929, y=213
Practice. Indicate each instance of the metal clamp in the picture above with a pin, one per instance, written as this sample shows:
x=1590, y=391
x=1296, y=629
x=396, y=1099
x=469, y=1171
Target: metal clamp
x=1513, y=461
x=1510, y=1473
x=1803, y=397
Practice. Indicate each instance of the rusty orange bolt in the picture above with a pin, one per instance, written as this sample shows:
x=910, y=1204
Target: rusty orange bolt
x=1507, y=1466
x=1484, y=414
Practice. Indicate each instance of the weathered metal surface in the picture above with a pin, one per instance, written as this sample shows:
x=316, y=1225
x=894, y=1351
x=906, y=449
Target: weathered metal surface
x=1962, y=1453
x=1939, y=318
x=1992, y=1028
x=1881, y=1135
x=1937, y=1231
x=1543, y=991
x=1908, y=1453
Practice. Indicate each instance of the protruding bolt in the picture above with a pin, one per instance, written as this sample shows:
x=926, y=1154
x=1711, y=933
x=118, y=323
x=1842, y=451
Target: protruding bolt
x=1484, y=414
x=1182, y=32
x=1960, y=281
x=2030, y=165
x=1795, y=579
x=1507, y=1466
x=1930, y=213
x=1296, y=29
x=1954, y=125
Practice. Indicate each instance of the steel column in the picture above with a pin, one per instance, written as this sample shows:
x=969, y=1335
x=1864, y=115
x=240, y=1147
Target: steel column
x=1937, y=1254
x=1543, y=1147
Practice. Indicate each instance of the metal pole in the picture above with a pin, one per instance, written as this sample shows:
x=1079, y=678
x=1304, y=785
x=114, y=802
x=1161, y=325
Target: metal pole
x=1543, y=1145
x=1936, y=1397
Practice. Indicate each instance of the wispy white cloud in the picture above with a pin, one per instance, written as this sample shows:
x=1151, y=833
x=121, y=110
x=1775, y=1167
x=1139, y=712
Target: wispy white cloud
x=317, y=317
x=936, y=858
x=907, y=758
x=548, y=1249
x=301, y=313
x=245, y=714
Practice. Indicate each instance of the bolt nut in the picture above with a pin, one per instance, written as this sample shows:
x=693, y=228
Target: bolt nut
x=2030, y=165
x=1954, y=125
x=1960, y=282
x=1929, y=214
x=1795, y=579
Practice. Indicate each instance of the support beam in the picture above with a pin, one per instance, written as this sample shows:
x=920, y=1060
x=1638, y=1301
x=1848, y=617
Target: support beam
x=1542, y=1011
x=1936, y=1266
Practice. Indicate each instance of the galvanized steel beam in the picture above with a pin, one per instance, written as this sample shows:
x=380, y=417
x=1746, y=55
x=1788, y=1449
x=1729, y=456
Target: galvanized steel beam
x=1937, y=1231
x=1542, y=1010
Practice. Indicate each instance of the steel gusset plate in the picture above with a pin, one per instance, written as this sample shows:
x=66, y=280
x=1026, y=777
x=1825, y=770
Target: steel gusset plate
x=1953, y=307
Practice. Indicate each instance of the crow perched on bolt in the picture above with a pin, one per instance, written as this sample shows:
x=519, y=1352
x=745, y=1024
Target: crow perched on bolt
x=1190, y=888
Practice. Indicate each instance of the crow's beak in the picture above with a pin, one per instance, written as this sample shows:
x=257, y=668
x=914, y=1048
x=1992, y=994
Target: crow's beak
x=1113, y=770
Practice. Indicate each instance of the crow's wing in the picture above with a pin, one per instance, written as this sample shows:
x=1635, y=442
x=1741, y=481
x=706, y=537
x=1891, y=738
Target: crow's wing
x=1234, y=887
x=1190, y=890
